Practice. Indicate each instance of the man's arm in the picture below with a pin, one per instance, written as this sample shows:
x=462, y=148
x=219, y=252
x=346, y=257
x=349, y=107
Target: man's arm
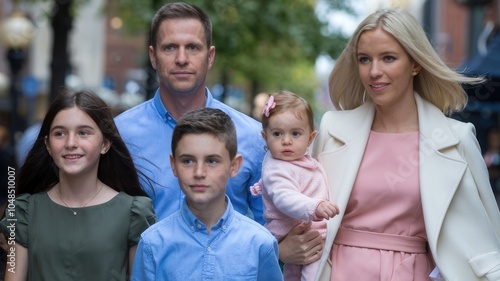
x=301, y=246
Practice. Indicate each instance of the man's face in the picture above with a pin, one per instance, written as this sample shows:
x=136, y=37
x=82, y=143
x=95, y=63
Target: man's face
x=181, y=56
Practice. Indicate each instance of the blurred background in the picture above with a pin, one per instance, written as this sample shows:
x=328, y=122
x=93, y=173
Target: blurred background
x=261, y=46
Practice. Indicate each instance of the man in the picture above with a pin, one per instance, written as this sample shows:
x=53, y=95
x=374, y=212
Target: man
x=181, y=52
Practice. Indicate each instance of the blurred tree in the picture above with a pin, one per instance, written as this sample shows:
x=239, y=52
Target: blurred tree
x=61, y=18
x=62, y=23
x=265, y=45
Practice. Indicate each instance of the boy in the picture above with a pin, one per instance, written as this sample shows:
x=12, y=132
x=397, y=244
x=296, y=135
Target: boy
x=206, y=239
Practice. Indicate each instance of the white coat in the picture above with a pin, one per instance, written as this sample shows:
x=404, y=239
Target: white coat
x=461, y=215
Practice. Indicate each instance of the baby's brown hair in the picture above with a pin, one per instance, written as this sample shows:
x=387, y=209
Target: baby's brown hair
x=285, y=100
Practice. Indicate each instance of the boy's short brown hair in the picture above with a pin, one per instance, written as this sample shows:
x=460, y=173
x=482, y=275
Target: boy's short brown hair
x=207, y=121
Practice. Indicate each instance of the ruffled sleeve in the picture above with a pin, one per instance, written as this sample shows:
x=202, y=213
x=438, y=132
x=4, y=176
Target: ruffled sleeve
x=14, y=223
x=142, y=216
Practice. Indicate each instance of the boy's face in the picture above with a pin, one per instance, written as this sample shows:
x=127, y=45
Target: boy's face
x=202, y=165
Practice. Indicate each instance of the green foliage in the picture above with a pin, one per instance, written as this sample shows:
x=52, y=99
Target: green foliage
x=75, y=4
x=271, y=44
x=136, y=15
x=274, y=43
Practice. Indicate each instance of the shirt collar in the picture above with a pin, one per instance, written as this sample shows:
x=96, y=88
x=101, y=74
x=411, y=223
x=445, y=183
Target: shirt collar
x=162, y=111
x=196, y=225
x=160, y=108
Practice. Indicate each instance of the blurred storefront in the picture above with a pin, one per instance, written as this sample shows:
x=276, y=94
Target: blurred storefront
x=466, y=34
x=482, y=57
x=102, y=56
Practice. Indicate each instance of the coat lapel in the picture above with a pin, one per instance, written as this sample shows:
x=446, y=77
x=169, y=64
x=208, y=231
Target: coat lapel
x=350, y=133
x=341, y=157
x=441, y=166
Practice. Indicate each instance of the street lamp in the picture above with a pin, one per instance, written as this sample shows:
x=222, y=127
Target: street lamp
x=4, y=84
x=16, y=32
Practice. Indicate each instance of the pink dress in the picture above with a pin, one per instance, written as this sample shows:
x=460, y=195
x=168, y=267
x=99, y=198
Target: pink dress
x=382, y=236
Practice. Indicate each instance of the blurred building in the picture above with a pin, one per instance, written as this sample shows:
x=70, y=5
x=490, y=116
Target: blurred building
x=103, y=56
x=466, y=35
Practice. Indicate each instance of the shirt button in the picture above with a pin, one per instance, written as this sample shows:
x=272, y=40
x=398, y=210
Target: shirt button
x=199, y=226
x=192, y=228
x=209, y=249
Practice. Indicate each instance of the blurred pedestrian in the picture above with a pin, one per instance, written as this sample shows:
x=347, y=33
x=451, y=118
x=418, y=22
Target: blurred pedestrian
x=492, y=158
x=26, y=142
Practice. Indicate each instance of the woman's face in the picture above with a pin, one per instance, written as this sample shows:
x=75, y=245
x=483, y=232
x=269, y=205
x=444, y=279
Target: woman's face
x=385, y=68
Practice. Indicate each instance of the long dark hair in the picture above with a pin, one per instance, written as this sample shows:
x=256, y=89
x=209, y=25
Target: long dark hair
x=116, y=168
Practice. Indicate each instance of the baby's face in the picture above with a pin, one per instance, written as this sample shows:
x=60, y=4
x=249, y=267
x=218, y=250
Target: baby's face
x=287, y=136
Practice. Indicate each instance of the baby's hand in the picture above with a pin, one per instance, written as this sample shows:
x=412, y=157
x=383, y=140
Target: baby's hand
x=326, y=210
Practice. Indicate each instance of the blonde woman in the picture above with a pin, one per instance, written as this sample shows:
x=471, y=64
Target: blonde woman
x=410, y=182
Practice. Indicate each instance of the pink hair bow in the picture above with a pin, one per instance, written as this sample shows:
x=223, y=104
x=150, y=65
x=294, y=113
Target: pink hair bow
x=270, y=104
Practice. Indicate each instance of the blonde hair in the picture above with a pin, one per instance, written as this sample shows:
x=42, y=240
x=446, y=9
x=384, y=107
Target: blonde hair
x=286, y=100
x=436, y=82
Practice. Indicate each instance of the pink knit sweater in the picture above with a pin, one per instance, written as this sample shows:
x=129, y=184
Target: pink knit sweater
x=291, y=192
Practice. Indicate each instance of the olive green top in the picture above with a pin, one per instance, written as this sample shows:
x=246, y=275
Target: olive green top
x=91, y=245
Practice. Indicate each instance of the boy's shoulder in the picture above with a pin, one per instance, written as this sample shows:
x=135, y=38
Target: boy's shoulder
x=160, y=228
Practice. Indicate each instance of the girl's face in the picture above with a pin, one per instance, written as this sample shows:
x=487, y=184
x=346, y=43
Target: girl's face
x=287, y=136
x=385, y=68
x=75, y=142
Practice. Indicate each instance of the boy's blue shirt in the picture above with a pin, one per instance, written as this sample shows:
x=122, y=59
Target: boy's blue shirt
x=179, y=248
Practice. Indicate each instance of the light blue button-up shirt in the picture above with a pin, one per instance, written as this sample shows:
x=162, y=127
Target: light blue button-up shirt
x=179, y=248
x=147, y=131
